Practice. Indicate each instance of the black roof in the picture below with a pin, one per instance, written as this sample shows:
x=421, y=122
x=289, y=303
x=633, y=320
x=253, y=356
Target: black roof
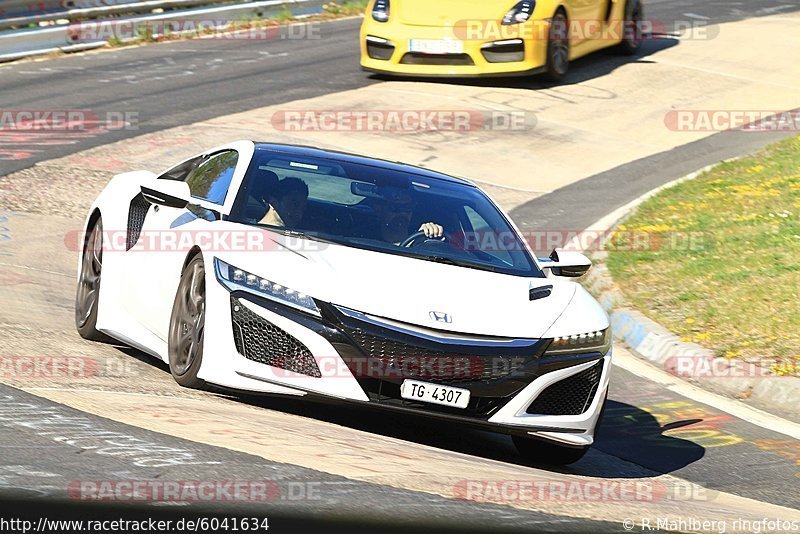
x=335, y=155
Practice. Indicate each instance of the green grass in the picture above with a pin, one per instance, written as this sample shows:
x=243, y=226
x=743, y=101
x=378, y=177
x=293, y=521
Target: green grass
x=724, y=266
x=348, y=7
x=285, y=14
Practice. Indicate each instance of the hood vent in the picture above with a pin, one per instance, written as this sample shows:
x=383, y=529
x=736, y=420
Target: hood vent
x=542, y=292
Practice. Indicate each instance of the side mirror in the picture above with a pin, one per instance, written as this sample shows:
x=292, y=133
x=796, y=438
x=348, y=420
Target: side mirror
x=566, y=263
x=169, y=193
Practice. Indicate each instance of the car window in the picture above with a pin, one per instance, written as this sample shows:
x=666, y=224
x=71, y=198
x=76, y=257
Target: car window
x=317, y=177
x=484, y=238
x=211, y=179
x=181, y=172
x=379, y=208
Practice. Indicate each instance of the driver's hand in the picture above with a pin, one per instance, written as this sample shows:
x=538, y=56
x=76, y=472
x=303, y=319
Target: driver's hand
x=432, y=229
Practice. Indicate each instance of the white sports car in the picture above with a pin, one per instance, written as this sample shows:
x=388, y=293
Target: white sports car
x=299, y=271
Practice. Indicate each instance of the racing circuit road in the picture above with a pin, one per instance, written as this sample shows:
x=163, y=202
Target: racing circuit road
x=360, y=463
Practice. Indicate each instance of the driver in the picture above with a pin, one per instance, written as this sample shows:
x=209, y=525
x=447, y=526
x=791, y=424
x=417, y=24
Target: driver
x=394, y=213
x=287, y=203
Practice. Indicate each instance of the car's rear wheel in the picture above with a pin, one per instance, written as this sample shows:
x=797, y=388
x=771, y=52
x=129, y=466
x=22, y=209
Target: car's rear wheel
x=633, y=33
x=558, y=47
x=87, y=297
x=187, y=325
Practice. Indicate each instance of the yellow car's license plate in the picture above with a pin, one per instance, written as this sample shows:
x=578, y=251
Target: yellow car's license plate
x=436, y=46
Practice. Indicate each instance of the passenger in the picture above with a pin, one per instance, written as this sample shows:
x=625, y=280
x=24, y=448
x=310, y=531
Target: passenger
x=262, y=183
x=287, y=203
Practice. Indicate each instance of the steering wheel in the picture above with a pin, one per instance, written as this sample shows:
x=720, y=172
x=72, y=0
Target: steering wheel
x=413, y=238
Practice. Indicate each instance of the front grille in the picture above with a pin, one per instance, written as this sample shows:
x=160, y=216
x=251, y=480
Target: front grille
x=261, y=341
x=137, y=212
x=399, y=360
x=570, y=396
x=417, y=58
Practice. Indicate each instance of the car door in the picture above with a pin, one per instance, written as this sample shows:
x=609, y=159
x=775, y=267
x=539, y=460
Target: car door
x=169, y=233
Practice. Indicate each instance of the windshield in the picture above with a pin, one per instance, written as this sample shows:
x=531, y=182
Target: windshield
x=380, y=209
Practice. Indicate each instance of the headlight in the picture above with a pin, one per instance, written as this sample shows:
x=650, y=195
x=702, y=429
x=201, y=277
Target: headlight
x=380, y=11
x=238, y=279
x=597, y=341
x=519, y=13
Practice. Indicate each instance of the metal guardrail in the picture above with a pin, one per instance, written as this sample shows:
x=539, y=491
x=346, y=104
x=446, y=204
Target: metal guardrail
x=23, y=12
x=17, y=44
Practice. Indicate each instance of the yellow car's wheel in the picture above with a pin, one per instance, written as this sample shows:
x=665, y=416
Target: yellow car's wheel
x=558, y=47
x=633, y=33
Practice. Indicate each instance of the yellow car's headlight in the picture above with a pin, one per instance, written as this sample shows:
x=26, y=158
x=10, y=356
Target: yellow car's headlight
x=518, y=14
x=380, y=11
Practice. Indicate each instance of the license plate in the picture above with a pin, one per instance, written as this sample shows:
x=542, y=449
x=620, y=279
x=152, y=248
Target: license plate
x=434, y=393
x=436, y=46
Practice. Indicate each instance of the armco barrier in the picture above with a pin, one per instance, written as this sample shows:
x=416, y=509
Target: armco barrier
x=21, y=13
x=21, y=43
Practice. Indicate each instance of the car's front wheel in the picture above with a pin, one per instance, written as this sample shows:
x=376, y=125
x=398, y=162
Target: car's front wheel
x=558, y=47
x=87, y=297
x=187, y=325
x=633, y=33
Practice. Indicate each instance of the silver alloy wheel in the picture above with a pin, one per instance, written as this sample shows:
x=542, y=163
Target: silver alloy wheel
x=186, y=329
x=91, y=269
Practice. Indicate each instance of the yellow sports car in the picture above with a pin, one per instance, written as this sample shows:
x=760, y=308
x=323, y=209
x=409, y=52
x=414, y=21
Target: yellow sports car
x=464, y=38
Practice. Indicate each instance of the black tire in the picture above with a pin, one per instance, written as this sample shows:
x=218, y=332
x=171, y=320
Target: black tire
x=87, y=295
x=187, y=326
x=542, y=452
x=633, y=34
x=557, y=64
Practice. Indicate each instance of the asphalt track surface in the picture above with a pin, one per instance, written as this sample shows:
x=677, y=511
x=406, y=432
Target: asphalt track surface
x=178, y=83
